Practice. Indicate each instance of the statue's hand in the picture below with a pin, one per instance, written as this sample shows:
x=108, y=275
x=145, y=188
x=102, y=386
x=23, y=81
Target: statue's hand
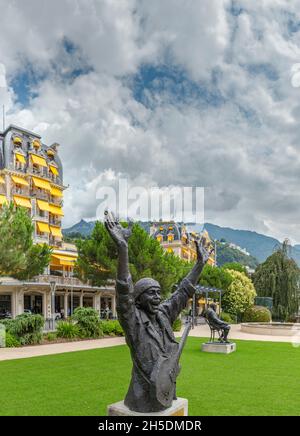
x=203, y=252
x=119, y=234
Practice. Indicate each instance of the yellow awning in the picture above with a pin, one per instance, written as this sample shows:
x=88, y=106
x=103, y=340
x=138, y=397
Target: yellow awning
x=40, y=183
x=22, y=201
x=63, y=259
x=53, y=170
x=56, y=231
x=56, y=192
x=20, y=181
x=3, y=199
x=20, y=158
x=43, y=227
x=2, y=179
x=43, y=205
x=38, y=160
x=55, y=210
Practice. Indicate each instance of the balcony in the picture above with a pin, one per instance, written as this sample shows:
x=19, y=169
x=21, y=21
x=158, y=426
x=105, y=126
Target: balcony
x=42, y=218
x=16, y=190
x=41, y=195
x=20, y=168
x=40, y=172
x=59, y=280
x=55, y=242
x=58, y=201
x=39, y=239
x=54, y=221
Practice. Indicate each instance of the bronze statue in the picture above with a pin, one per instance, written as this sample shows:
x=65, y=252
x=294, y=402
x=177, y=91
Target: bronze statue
x=216, y=323
x=147, y=323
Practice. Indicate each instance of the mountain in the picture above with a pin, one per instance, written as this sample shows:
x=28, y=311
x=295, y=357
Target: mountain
x=84, y=228
x=258, y=245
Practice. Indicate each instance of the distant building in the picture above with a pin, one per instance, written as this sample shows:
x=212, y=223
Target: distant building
x=179, y=239
x=31, y=176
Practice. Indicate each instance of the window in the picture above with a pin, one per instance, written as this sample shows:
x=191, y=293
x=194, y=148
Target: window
x=5, y=305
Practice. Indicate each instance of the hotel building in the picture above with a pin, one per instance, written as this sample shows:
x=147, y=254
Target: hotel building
x=178, y=239
x=31, y=176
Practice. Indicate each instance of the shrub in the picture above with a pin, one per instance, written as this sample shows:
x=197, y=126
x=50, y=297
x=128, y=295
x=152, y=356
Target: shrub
x=226, y=317
x=26, y=328
x=177, y=324
x=112, y=328
x=11, y=341
x=50, y=336
x=257, y=314
x=88, y=322
x=239, y=295
x=67, y=329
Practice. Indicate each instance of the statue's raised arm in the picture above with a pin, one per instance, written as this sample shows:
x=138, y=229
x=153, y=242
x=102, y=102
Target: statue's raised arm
x=120, y=236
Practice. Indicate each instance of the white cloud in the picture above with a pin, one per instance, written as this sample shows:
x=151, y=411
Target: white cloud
x=244, y=149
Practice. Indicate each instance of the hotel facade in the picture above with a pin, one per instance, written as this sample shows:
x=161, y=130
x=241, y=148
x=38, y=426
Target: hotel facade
x=31, y=176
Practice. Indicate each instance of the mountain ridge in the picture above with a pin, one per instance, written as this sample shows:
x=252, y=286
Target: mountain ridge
x=257, y=244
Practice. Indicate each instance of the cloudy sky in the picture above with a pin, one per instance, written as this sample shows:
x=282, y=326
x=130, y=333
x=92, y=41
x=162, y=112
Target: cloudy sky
x=165, y=92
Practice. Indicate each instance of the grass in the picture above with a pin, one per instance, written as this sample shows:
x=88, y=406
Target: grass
x=261, y=378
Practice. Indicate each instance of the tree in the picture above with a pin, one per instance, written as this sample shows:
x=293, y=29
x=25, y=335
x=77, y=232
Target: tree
x=236, y=267
x=97, y=259
x=215, y=277
x=19, y=257
x=240, y=294
x=278, y=277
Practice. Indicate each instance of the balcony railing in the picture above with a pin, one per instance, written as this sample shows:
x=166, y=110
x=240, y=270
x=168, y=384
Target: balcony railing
x=41, y=195
x=55, y=243
x=59, y=280
x=20, y=191
x=54, y=221
x=39, y=239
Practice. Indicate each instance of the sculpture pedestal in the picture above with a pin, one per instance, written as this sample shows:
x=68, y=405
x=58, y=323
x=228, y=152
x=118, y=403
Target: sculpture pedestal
x=219, y=347
x=179, y=408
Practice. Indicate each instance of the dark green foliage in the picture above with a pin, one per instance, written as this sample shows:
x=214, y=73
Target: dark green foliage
x=235, y=266
x=177, y=324
x=67, y=329
x=215, y=277
x=88, y=322
x=97, y=259
x=11, y=341
x=278, y=277
x=227, y=254
x=26, y=328
x=51, y=336
x=112, y=328
x=226, y=317
x=257, y=314
x=19, y=258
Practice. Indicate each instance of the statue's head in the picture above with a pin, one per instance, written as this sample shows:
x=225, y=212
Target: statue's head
x=147, y=295
x=213, y=306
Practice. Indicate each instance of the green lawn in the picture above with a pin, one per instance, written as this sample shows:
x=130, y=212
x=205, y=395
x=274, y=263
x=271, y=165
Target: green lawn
x=261, y=378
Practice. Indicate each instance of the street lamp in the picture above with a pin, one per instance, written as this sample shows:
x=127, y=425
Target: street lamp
x=52, y=287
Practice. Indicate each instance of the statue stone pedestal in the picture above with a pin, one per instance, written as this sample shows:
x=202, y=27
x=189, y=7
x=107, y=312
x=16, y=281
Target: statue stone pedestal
x=179, y=408
x=219, y=347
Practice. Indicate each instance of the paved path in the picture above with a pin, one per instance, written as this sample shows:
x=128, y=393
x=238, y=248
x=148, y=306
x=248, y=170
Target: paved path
x=236, y=333
x=43, y=350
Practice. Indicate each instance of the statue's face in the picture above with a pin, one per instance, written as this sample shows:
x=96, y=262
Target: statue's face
x=150, y=300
